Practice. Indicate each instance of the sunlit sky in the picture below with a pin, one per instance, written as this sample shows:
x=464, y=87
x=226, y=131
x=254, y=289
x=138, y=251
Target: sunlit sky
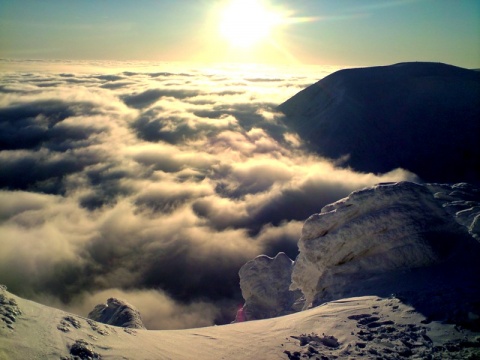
x=347, y=32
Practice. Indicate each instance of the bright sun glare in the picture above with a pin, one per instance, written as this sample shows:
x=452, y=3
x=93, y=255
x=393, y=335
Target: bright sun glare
x=245, y=23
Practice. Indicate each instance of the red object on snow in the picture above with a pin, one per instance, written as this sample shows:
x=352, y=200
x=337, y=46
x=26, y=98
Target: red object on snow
x=240, y=315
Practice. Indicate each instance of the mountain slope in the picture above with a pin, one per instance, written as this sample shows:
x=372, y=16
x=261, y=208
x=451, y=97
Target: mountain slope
x=423, y=117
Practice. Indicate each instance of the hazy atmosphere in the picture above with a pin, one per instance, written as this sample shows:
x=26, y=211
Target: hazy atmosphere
x=142, y=155
x=350, y=32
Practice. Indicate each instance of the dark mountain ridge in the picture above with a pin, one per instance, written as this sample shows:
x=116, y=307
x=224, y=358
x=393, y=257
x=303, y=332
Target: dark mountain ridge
x=423, y=117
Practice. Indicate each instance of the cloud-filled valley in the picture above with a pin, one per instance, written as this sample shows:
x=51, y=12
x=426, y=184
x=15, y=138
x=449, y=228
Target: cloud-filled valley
x=155, y=186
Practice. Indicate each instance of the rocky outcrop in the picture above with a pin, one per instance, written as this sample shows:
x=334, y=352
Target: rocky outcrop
x=118, y=313
x=419, y=242
x=419, y=116
x=462, y=201
x=401, y=238
x=265, y=285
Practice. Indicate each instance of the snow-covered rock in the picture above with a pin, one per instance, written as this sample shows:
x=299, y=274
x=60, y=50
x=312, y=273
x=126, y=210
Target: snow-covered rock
x=265, y=283
x=463, y=202
x=394, y=238
x=419, y=116
x=118, y=313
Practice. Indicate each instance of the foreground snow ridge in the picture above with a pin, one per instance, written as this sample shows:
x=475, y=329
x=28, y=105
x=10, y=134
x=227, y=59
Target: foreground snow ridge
x=366, y=327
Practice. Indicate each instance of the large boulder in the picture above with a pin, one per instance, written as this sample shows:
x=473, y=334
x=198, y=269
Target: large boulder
x=265, y=283
x=416, y=241
x=118, y=313
x=419, y=116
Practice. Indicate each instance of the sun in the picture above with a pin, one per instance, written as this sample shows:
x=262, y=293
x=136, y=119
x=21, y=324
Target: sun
x=245, y=23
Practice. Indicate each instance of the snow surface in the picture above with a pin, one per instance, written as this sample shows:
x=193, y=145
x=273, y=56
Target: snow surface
x=419, y=116
x=368, y=327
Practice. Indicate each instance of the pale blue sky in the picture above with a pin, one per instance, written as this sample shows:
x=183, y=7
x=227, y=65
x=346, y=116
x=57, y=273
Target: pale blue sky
x=347, y=32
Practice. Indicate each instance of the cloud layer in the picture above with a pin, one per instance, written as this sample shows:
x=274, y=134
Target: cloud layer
x=153, y=186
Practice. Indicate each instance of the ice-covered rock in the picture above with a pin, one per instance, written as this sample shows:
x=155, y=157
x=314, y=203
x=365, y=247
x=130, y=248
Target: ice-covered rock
x=419, y=116
x=463, y=202
x=118, y=313
x=394, y=238
x=265, y=283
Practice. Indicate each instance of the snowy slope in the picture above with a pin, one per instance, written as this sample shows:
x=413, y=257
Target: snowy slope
x=423, y=117
x=370, y=327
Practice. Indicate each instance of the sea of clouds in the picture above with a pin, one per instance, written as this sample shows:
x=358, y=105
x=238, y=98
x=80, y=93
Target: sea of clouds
x=153, y=183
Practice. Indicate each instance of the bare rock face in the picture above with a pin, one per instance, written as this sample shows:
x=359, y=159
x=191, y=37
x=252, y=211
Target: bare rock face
x=402, y=238
x=118, y=313
x=265, y=285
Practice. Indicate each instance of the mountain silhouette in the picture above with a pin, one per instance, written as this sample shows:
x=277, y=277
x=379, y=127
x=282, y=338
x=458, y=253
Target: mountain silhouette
x=423, y=117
